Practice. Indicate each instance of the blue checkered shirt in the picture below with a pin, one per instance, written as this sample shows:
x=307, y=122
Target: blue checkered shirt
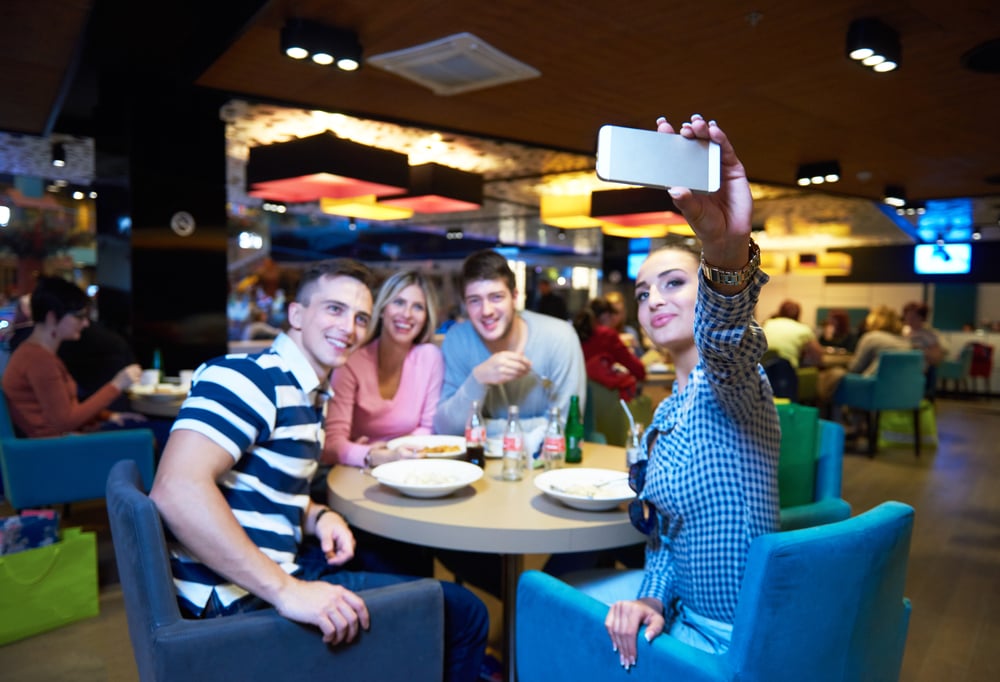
x=713, y=468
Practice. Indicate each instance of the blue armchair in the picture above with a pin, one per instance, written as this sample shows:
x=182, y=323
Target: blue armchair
x=405, y=641
x=898, y=384
x=822, y=604
x=64, y=469
x=956, y=371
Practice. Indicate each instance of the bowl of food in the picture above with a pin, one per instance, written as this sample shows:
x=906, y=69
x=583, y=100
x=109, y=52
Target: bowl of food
x=159, y=392
x=427, y=477
x=586, y=489
x=431, y=445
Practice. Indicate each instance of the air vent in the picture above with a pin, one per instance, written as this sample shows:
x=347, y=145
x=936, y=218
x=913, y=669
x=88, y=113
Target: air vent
x=457, y=63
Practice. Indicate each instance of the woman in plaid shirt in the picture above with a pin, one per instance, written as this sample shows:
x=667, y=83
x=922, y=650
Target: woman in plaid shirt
x=709, y=485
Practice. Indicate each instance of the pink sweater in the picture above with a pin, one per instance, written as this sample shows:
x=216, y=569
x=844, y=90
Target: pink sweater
x=358, y=409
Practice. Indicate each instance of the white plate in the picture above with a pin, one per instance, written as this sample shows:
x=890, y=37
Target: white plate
x=576, y=487
x=159, y=392
x=427, y=477
x=450, y=446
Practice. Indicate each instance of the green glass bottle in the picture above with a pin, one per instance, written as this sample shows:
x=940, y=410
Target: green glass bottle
x=574, y=432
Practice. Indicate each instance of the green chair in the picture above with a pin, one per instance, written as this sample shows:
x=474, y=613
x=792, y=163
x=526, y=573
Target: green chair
x=956, y=371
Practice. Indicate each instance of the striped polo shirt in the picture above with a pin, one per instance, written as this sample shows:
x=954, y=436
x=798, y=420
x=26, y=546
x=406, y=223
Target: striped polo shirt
x=266, y=410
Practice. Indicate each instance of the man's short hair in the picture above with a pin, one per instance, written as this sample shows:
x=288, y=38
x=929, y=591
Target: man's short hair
x=921, y=310
x=337, y=267
x=789, y=309
x=486, y=265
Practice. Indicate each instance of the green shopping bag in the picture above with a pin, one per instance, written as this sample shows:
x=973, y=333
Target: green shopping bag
x=799, y=442
x=45, y=588
x=895, y=428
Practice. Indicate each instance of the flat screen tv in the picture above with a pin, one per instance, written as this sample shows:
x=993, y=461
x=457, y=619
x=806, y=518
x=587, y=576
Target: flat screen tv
x=942, y=259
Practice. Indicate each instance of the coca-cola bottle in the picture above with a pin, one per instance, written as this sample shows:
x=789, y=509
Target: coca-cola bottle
x=554, y=445
x=513, y=446
x=475, y=436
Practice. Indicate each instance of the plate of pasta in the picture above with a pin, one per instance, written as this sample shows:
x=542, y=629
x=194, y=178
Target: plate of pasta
x=586, y=489
x=427, y=477
x=431, y=445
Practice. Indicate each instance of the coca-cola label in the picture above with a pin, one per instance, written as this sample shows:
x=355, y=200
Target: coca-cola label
x=475, y=434
x=554, y=444
x=512, y=442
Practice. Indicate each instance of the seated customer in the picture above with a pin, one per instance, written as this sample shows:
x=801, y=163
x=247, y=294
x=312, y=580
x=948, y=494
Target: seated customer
x=387, y=389
x=837, y=332
x=391, y=385
x=233, y=484
x=791, y=339
x=40, y=391
x=498, y=357
x=607, y=360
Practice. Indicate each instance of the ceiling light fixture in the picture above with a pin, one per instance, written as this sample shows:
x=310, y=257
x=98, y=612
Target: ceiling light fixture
x=894, y=195
x=324, y=165
x=58, y=154
x=818, y=173
x=977, y=233
x=568, y=211
x=435, y=188
x=366, y=208
x=873, y=44
x=324, y=45
x=638, y=212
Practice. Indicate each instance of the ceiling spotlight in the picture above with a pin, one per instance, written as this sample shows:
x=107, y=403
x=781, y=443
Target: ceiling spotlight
x=894, y=196
x=324, y=45
x=58, y=155
x=818, y=173
x=873, y=44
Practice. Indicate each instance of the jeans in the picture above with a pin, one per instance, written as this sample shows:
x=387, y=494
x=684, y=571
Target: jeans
x=466, y=620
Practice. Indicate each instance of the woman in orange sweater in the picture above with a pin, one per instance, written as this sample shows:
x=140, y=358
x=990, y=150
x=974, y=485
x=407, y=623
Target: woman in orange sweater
x=40, y=391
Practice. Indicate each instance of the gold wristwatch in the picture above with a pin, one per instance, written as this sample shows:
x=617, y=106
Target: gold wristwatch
x=733, y=277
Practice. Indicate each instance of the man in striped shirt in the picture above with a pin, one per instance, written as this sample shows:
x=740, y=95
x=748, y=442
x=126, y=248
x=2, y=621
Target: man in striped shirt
x=233, y=482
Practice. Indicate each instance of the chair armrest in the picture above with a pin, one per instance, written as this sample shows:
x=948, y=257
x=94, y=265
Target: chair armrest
x=579, y=648
x=63, y=469
x=405, y=641
x=855, y=390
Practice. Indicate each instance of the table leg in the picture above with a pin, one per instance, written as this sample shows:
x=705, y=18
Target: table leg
x=513, y=564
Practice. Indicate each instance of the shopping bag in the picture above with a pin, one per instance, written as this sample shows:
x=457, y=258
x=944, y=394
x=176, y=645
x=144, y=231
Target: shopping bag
x=895, y=428
x=799, y=443
x=47, y=587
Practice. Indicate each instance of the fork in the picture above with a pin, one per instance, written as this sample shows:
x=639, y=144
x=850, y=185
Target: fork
x=547, y=385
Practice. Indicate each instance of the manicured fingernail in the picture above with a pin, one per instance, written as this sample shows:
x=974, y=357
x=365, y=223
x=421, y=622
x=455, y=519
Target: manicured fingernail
x=614, y=647
x=649, y=637
x=661, y=119
x=694, y=116
x=712, y=123
x=674, y=192
x=621, y=659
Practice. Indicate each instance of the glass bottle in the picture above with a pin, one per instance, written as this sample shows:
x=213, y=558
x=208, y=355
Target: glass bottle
x=574, y=432
x=158, y=364
x=475, y=436
x=513, y=446
x=633, y=448
x=554, y=445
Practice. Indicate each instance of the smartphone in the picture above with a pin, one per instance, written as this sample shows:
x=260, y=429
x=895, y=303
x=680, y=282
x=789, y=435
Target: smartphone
x=645, y=157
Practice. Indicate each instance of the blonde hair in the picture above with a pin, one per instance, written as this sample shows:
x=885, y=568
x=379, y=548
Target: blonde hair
x=391, y=288
x=884, y=318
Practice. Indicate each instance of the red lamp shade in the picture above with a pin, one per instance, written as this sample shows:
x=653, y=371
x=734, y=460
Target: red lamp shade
x=324, y=165
x=439, y=189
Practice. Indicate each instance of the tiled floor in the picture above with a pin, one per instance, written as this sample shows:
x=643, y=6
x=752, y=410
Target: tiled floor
x=953, y=580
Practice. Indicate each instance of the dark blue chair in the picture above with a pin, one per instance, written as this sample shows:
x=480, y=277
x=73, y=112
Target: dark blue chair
x=406, y=639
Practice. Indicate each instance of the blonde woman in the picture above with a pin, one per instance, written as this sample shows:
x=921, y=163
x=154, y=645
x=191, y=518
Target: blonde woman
x=389, y=387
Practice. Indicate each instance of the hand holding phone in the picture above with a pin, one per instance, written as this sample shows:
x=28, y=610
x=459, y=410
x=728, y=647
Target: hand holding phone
x=652, y=159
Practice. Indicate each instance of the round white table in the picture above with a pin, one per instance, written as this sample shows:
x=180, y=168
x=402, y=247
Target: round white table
x=491, y=515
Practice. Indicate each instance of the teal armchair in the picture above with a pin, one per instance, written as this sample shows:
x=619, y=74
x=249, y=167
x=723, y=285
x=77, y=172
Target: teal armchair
x=956, y=371
x=898, y=384
x=38, y=472
x=823, y=604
